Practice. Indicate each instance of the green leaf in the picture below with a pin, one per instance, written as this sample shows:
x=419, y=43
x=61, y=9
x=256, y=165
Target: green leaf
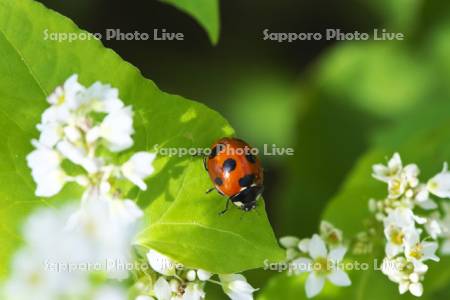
x=190, y=227
x=381, y=77
x=206, y=12
x=32, y=66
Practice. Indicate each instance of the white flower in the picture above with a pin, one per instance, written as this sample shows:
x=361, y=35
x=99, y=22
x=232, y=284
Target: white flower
x=303, y=245
x=191, y=275
x=236, y=287
x=162, y=289
x=139, y=167
x=406, y=274
x=116, y=129
x=433, y=227
x=67, y=94
x=107, y=226
x=444, y=224
x=51, y=134
x=161, y=263
x=417, y=250
x=46, y=170
x=44, y=232
x=395, y=240
x=78, y=156
x=415, y=288
x=439, y=185
x=193, y=291
x=203, y=275
x=102, y=98
x=63, y=100
x=289, y=241
x=33, y=274
x=323, y=265
x=423, y=200
x=29, y=279
x=73, y=134
x=110, y=293
x=411, y=173
x=330, y=234
x=397, y=225
x=397, y=186
x=392, y=170
x=125, y=211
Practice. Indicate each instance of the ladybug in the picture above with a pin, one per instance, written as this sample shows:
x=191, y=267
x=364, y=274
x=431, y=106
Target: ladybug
x=236, y=172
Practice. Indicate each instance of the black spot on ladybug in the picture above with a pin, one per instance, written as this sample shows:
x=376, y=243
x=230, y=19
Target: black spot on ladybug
x=251, y=158
x=213, y=152
x=229, y=165
x=247, y=180
x=218, y=181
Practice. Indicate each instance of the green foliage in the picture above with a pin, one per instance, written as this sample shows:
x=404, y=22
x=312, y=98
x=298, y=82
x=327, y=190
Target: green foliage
x=326, y=131
x=383, y=78
x=401, y=15
x=423, y=137
x=185, y=223
x=206, y=12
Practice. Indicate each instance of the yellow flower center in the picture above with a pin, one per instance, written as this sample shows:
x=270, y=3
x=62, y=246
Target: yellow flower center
x=397, y=237
x=61, y=99
x=321, y=265
x=417, y=251
x=34, y=278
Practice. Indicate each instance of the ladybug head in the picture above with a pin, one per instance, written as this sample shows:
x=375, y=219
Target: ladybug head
x=248, y=197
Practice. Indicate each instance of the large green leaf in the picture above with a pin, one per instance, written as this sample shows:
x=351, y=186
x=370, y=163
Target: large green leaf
x=186, y=224
x=206, y=12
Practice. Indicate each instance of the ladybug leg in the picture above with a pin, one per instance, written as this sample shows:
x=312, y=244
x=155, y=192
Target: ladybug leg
x=204, y=162
x=226, y=207
x=210, y=190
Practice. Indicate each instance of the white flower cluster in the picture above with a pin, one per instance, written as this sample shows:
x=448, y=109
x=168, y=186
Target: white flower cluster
x=78, y=123
x=407, y=250
x=175, y=282
x=54, y=262
x=79, y=132
x=320, y=256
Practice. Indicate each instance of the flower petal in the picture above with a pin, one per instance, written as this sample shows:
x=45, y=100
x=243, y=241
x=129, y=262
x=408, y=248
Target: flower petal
x=317, y=247
x=289, y=241
x=161, y=263
x=339, y=278
x=337, y=254
x=301, y=265
x=203, y=275
x=314, y=285
x=162, y=289
x=416, y=289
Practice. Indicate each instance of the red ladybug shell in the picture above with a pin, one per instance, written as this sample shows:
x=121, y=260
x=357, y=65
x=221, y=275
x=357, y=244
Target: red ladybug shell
x=233, y=166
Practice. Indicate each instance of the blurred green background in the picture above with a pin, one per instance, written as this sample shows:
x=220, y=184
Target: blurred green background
x=326, y=99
